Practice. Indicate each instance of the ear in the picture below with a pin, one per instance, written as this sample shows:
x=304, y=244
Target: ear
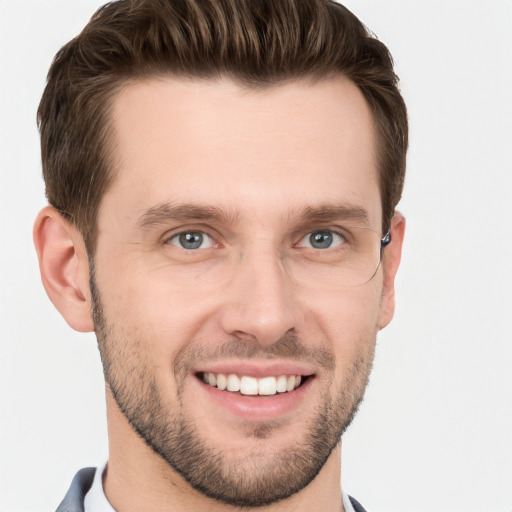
x=390, y=263
x=64, y=267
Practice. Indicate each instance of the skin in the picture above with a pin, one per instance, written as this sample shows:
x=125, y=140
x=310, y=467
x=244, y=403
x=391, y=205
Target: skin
x=260, y=158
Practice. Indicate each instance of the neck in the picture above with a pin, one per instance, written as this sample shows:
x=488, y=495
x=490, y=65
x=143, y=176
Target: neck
x=139, y=479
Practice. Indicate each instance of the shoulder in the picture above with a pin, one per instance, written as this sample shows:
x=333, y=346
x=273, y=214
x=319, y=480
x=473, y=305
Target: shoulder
x=357, y=506
x=74, y=499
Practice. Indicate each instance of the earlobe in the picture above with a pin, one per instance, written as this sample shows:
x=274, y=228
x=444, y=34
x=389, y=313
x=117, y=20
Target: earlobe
x=64, y=267
x=390, y=263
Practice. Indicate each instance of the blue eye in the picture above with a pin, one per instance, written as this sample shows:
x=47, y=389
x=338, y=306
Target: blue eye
x=191, y=240
x=321, y=239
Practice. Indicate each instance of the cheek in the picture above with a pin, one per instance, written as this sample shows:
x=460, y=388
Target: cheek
x=348, y=311
x=348, y=323
x=161, y=313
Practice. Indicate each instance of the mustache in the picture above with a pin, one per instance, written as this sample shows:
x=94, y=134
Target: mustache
x=289, y=347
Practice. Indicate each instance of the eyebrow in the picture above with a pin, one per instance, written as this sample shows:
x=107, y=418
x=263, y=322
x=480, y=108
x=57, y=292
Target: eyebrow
x=330, y=212
x=163, y=213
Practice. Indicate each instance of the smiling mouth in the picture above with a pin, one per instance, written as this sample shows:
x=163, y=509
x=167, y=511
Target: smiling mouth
x=252, y=386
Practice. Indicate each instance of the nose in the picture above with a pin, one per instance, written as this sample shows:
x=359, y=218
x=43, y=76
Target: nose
x=260, y=304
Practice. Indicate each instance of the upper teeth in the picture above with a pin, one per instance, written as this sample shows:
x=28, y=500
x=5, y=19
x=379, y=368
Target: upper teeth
x=251, y=385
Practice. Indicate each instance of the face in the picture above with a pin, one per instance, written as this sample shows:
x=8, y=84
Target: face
x=230, y=338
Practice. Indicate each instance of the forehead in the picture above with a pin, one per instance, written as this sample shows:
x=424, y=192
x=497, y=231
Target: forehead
x=280, y=148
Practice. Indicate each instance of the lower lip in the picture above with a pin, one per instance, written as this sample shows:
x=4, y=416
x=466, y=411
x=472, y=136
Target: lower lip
x=258, y=407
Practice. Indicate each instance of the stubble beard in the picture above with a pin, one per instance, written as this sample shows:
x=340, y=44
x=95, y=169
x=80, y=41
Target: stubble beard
x=257, y=478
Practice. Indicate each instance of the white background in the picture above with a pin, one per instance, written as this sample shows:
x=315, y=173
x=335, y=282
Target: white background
x=435, y=431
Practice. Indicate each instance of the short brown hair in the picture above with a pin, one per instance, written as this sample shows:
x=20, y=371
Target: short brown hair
x=258, y=43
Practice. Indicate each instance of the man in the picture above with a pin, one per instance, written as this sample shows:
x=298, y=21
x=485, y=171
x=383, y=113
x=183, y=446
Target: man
x=222, y=178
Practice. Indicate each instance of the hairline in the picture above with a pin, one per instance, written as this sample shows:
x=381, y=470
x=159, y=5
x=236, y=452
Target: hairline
x=112, y=160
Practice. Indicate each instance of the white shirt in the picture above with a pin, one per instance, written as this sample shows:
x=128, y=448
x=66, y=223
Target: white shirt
x=96, y=501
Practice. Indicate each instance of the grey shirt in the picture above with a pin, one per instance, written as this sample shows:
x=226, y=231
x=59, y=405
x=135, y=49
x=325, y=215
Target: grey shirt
x=89, y=479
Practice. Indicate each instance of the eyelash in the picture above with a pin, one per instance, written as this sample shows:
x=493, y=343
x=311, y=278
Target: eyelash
x=326, y=231
x=330, y=232
x=177, y=236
